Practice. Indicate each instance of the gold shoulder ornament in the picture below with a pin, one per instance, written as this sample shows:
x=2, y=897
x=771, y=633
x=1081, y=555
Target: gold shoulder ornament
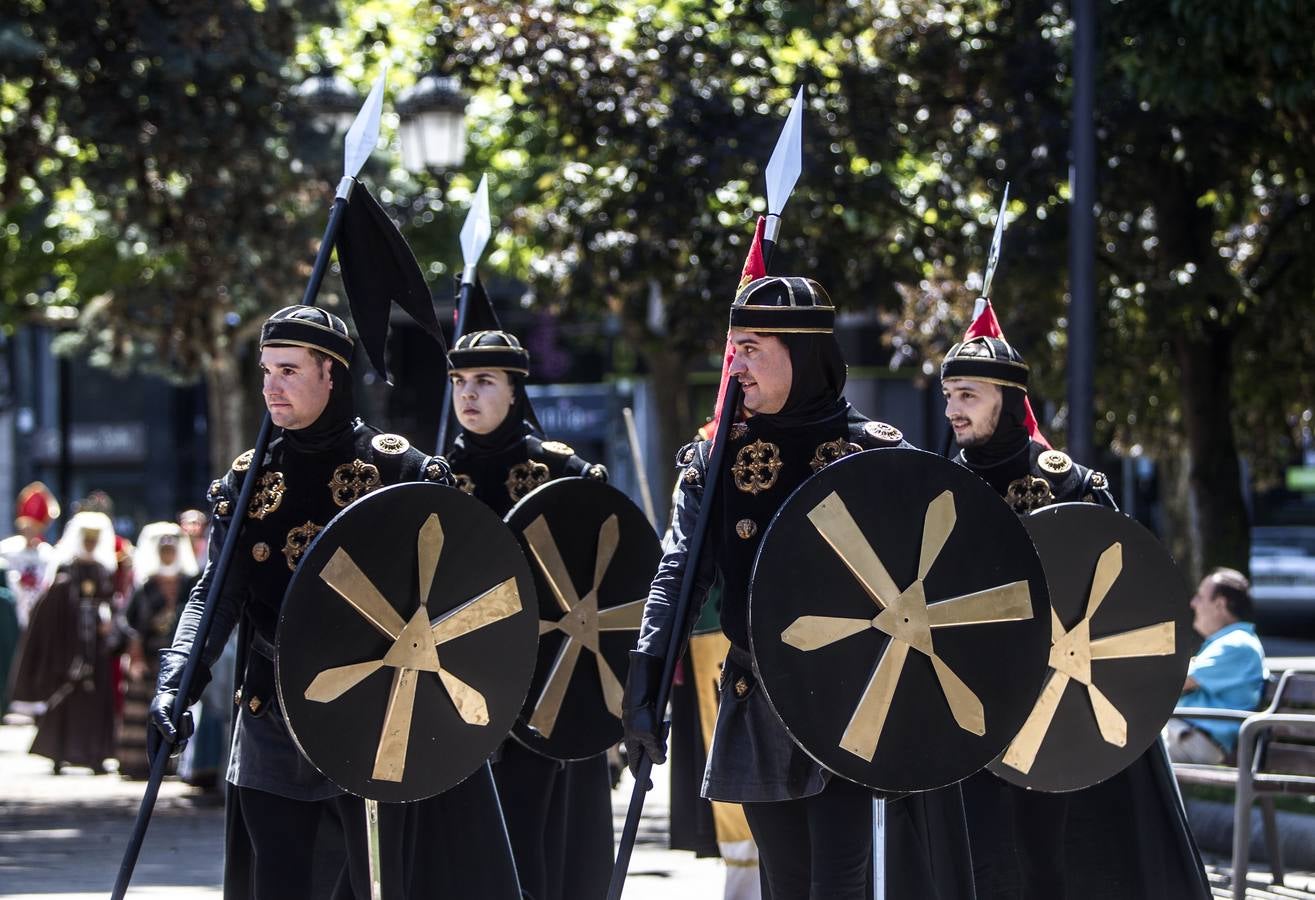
x=883, y=432
x=243, y=462
x=558, y=448
x=390, y=444
x=1055, y=462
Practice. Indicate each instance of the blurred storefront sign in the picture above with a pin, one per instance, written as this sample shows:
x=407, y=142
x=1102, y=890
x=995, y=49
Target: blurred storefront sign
x=91, y=442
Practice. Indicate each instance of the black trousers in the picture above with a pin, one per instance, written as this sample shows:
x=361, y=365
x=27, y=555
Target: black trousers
x=559, y=819
x=817, y=848
x=1018, y=840
x=283, y=846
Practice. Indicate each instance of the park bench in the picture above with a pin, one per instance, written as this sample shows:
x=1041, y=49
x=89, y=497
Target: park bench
x=1277, y=744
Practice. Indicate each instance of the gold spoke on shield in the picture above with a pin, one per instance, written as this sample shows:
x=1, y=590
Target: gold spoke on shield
x=343, y=575
x=905, y=617
x=1071, y=653
x=414, y=648
x=581, y=621
x=626, y=617
x=497, y=603
x=549, y=704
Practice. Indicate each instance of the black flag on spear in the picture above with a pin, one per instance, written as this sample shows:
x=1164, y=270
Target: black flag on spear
x=378, y=270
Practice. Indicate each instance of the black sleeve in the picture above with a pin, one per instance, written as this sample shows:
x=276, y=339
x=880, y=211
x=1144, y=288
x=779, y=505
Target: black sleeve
x=664, y=593
x=228, y=605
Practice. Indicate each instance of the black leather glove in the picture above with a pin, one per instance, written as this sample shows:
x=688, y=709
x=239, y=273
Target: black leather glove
x=641, y=720
x=161, y=728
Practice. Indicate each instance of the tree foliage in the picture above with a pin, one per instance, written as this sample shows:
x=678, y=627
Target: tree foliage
x=161, y=158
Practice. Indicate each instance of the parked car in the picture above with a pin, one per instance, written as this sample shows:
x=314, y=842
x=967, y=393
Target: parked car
x=1283, y=572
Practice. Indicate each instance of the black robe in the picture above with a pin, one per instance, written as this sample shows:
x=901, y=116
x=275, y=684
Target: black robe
x=64, y=661
x=559, y=815
x=1126, y=838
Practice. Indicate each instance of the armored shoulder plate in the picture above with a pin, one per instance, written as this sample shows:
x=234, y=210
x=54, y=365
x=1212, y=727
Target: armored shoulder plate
x=692, y=460
x=394, y=458
x=1069, y=481
x=223, y=492
x=561, y=459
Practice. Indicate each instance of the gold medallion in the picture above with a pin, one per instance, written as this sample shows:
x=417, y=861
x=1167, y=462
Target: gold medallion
x=746, y=528
x=260, y=551
x=757, y=467
x=1056, y=462
x=222, y=508
x=691, y=475
x=827, y=453
x=466, y=484
x=558, y=447
x=243, y=462
x=525, y=477
x=269, y=495
x=351, y=481
x=1099, y=481
x=883, y=432
x=687, y=456
x=298, y=540
x=598, y=472
x=390, y=444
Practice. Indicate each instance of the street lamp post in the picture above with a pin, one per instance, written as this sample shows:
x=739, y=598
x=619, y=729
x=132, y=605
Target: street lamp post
x=331, y=98
x=433, y=124
x=1082, y=236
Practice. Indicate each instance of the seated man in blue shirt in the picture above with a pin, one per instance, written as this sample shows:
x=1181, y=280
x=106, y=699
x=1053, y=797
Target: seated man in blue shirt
x=1228, y=672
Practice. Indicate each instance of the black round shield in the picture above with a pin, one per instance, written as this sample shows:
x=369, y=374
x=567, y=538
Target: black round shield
x=593, y=553
x=898, y=620
x=1120, y=643
x=406, y=642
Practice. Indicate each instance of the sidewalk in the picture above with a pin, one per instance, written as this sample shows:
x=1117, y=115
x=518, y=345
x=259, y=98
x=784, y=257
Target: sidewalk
x=62, y=837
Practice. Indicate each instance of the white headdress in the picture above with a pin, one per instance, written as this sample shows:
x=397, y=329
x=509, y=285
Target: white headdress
x=146, y=558
x=71, y=544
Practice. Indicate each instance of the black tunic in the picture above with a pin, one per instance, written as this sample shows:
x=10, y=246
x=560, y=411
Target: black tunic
x=297, y=494
x=559, y=815
x=753, y=758
x=1126, y=838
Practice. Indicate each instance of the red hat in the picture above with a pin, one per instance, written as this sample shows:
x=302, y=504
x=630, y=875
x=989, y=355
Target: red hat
x=36, y=505
x=754, y=268
x=985, y=324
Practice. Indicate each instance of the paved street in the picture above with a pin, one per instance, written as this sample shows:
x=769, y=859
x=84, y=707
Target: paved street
x=61, y=837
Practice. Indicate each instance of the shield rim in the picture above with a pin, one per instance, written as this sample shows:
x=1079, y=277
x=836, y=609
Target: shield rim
x=850, y=461
x=521, y=731
x=278, y=678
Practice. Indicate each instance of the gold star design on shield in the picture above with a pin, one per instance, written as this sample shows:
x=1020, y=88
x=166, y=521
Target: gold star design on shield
x=581, y=621
x=905, y=616
x=1071, y=653
x=415, y=645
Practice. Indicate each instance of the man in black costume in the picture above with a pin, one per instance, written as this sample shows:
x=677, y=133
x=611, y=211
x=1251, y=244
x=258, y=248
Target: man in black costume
x=813, y=829
x=321, y=459
x=559, y=815
x=1127, y=837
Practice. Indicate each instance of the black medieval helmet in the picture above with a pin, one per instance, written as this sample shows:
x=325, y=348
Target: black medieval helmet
x=783, y=304
x=490, y=350
x=988, y=359
x=310, y=327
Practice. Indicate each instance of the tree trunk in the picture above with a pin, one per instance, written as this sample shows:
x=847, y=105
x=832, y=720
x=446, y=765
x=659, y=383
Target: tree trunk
x=1221, y=530
x=225, y=399
x=675, y=423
